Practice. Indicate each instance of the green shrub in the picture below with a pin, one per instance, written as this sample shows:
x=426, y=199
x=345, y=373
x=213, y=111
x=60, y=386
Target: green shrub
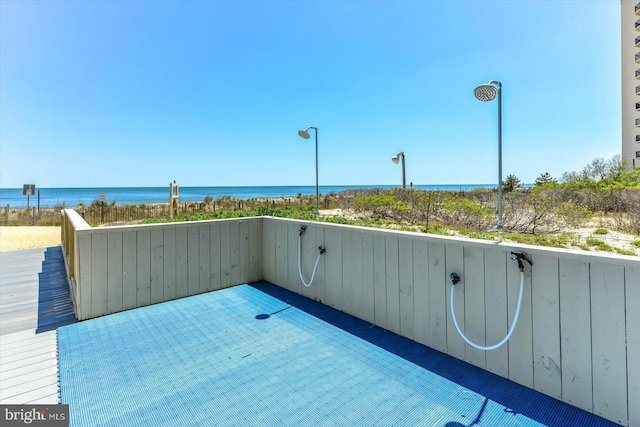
x=482, y=236
x=511, y=183
x=542, y=211
x=304, y=212
x=534, y=215
x=439, y=229
x=337, y=219
x=625, y=252
x=459, y=210
x=563, y=240
x=546, y=180
x=381, y=204
x=599, y=244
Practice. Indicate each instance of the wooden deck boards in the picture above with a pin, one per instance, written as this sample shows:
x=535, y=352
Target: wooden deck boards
x=28, y=360
x=19, y=272
x=28, y=368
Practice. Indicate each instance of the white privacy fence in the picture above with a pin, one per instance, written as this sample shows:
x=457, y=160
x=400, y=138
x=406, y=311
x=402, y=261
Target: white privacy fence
x=578, y=335
x=112, y=269
x=577, y=338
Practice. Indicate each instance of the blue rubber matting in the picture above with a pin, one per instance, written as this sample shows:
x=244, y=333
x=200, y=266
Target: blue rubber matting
x=258, y=355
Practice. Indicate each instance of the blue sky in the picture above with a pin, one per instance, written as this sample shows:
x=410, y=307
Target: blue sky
x=212, y=93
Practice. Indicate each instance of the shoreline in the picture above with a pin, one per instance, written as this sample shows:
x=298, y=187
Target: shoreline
x=220, y=200
x=166, y=203
x=53, y=198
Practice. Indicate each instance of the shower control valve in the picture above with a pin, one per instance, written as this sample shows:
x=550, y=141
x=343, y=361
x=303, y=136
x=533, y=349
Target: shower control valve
x=455, y=279
x=304, y=227
x=519, y=256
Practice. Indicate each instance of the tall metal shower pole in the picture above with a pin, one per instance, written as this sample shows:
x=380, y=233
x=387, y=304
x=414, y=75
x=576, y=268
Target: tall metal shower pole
x=317, y=190
x=305, y=134
x=488, y=92
x=499, y=85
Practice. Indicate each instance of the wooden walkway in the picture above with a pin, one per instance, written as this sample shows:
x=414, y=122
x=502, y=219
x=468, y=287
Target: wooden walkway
x=19, y=274
x=34, y=301
x=28, y=368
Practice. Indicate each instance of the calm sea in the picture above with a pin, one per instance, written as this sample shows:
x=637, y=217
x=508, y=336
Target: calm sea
x=70, y=197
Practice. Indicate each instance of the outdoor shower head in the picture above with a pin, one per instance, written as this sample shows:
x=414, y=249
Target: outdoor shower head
x=395, y=159
x=486, y=92
x=304, y=134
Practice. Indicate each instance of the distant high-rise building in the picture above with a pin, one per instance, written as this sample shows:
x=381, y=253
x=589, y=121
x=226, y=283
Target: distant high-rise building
x=630, y=38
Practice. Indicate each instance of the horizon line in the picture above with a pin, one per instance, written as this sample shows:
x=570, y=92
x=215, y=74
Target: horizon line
x=264, y=186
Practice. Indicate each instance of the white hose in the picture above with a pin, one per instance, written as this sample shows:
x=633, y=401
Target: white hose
x=513, y=326
x=300, y=264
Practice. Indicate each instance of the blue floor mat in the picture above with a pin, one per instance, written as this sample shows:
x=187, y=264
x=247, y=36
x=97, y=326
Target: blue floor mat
x=242, y=357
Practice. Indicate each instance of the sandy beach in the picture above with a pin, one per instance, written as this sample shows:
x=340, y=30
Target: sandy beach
x=29, y=237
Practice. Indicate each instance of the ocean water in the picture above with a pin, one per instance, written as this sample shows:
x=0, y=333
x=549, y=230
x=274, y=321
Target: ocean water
x=71, y=197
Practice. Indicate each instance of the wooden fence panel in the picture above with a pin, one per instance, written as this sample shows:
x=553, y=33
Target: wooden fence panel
x=367, y=306
x=474, y=305
x=282, y=254
x=351, y=290
x=353, y=278
x=438, y=296
x=193, y=259
x=129, y=271
x=575, y=334
x=333, y=276
x=308, y=253
x=405, y=285
x=454, y=261
x=255, y=250
x=632, y=296
x=545, y=292
x=157, y=265
x=234, y=251
x=115, y=297
x=302, y=261
x=521, y=342
x=204, y=261
x=293, y=276
x=496, y=310
x=268, y=250
x=317, y=239
x=225, y=256
x=143, y=268
x=380, y=281
x=84, y=278
x=99, y=269
x=392, y=278
x=421, y=303
x=215, y=256
x=244, y=258
x=608, y=342
x=169, y=264
x=182, y=262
